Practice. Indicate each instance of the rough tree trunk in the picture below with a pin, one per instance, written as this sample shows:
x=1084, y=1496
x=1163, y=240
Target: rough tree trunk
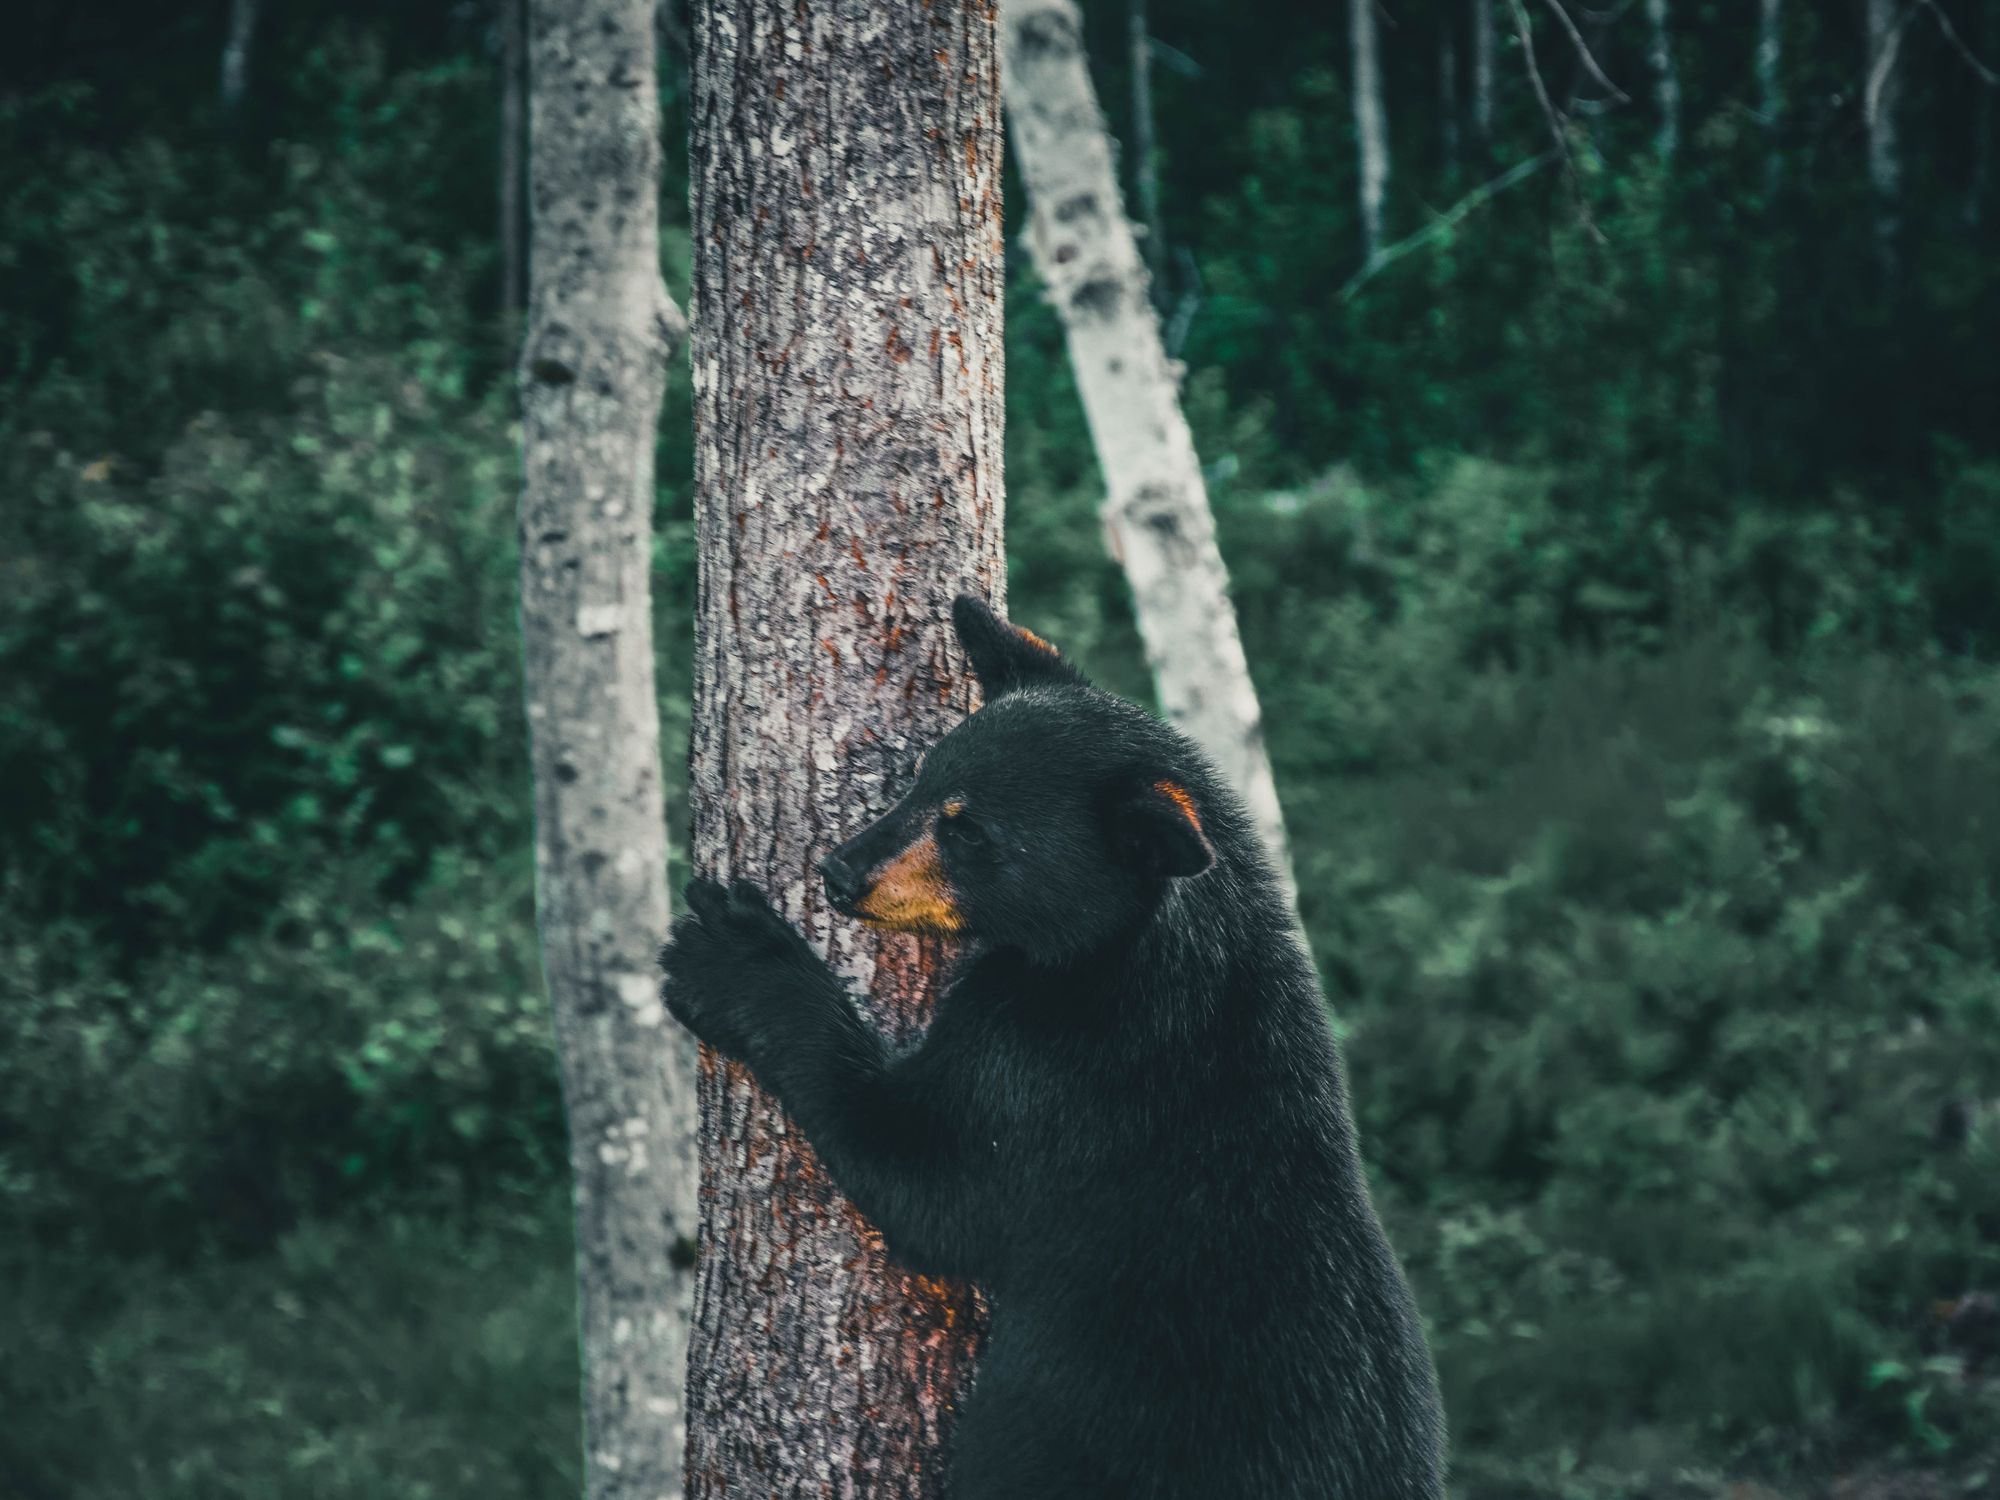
x=847, y=368
x=593, y=364
x=236, y=51
x=1881, y=105
x=1371, y=124
x=1666, y=79
x=1483, y=42
x=1156, y=507
x=1770, y=86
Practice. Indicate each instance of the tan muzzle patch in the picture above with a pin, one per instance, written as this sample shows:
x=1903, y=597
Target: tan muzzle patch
x=912, y=893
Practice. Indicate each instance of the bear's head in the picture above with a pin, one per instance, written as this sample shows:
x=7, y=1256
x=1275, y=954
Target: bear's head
x=1050, y=821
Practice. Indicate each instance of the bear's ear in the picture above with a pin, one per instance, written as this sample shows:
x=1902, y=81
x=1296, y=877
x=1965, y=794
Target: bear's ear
x=1155, y=828
x=1005, y=657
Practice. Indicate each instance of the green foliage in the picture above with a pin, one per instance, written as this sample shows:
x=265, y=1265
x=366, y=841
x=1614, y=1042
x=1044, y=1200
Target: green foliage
x=407, y=1358
x=347, y=1054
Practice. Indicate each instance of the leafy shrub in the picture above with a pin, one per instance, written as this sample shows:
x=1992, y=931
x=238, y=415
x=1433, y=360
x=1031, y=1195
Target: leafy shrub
x=347, y=1054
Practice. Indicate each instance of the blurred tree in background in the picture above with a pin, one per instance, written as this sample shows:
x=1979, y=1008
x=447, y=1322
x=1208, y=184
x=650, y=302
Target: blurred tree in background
x=1617, y=568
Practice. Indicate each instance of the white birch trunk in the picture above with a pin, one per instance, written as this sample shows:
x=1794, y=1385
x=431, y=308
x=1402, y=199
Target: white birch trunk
x=1371, y=124
x=1881, y=105
x=1483, y=43
x=593, y=365
x=1156, y=509
x=848, y=372
x=236, y=51
x=1770, y=86
x=1666, y=79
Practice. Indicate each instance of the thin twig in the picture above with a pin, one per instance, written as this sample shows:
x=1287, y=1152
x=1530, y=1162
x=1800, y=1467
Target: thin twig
x=1583, y=52
x=1986, y=75
x=1484, y=193
x=1558, y=122
x=1520, y=14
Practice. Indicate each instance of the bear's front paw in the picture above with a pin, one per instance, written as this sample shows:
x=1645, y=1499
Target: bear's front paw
x=729, y=962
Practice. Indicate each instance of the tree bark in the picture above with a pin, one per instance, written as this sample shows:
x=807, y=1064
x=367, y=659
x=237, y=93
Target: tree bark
x=513, y=69
x=1483, y=42
x=1145, y=169
x=848, y=364
x=236, y=51
x=593, y=367
x=1770, y=86
x=1156, y=507
x=1881, y=105
x=1666, y=79
x=1371, y=124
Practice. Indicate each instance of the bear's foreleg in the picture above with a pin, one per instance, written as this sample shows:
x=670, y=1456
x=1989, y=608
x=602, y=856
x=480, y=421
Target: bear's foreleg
x=886, y=1127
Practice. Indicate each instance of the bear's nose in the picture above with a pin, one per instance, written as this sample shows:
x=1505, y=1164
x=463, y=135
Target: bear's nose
x=844, y=883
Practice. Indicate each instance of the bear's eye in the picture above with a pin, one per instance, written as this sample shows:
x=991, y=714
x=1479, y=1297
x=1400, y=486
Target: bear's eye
x=960, y=827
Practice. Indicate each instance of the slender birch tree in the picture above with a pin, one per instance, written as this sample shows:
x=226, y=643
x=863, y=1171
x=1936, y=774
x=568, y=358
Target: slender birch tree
x=1770, y=85
x=1483, y=44
x=1156, y=504
x=236, y=51
x=1371, y=121
x=1666, y=78
x=848, y=368
x=1881, y=107
x=593, y=365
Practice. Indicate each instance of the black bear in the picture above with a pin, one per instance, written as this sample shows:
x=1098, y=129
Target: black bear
x=1127, y=1121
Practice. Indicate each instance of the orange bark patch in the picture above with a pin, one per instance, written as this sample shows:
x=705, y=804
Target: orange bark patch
x=912, y=893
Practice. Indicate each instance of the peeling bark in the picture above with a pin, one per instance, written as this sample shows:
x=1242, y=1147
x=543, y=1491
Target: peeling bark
x=593, y=366
x=848, y=369
x=1371, y=122
x=1666, y=79
x=1156, y=507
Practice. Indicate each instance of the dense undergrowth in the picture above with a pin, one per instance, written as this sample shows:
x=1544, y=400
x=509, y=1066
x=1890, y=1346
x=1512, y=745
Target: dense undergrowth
x=1643, y=799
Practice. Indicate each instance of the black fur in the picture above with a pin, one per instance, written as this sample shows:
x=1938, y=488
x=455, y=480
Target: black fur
x=1127, y=1122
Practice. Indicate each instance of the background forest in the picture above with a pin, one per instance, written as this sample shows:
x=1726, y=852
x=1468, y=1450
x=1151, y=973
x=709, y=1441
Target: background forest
x=1617, y=568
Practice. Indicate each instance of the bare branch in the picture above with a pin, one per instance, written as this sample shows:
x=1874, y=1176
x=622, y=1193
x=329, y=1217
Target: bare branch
x=1558, y=122
x=1986, y=75
x=1583, y=52
x=1549, y=110
x=1485, y=193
